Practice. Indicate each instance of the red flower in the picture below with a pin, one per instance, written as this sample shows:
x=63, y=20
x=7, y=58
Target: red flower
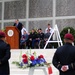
x=25, y=60
x=24, y=56
x=41, y=56
x=32, y=57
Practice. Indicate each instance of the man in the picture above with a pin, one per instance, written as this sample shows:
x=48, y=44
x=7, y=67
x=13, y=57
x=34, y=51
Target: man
x=51, y=31
x=4, y=55
x=40, y=38
x=47, y=34
x=40, y=34
x=64, y=57
x=23, y=40
x=31, y=39
x=23, y=30
x=49, y=27
x=19, y=26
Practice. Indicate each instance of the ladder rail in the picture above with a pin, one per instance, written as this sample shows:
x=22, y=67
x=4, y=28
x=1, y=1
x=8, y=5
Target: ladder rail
x=59, y=41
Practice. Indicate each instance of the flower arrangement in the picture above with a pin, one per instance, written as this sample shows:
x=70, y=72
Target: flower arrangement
x=31, y=60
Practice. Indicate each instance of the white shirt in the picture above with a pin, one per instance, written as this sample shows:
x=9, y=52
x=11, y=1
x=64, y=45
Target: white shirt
x=23, y=29
x=51, y=30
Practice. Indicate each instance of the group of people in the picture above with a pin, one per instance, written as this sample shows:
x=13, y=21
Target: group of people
x=34, y=38
x=63, y=58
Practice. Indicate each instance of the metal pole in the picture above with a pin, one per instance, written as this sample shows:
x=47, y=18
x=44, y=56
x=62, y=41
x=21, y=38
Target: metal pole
x=2, y=26
x=27, y=14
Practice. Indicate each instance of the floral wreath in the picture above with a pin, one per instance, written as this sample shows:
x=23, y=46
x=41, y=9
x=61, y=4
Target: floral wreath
x=32, y=60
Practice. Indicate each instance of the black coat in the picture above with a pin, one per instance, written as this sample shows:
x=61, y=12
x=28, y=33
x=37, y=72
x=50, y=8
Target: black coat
x=19, y=28
x=40, y=36
x=4, y=57
x=65, y=55
x=33, y=36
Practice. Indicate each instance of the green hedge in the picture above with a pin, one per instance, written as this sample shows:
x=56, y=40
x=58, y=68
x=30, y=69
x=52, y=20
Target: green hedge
x=65, y=30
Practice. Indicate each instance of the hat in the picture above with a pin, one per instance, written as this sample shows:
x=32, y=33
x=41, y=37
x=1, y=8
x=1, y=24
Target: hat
x=2, y=34
x=69, y=36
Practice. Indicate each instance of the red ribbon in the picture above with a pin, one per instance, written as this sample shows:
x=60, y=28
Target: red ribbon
x=49, y=70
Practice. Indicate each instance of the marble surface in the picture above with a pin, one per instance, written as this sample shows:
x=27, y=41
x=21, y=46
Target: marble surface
x=65, y=7
x=15, y=9
x=40, y=8
x=0, y=11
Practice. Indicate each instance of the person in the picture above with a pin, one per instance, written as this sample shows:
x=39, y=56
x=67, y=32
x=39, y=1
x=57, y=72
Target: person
x=49, y=27
x=23, y=29
x=4, y=55
x=19, y=26
x=47, y=34
x=40, y=34
x=23, y=40
x=64, y=56
x=31, y=42
x=40, y=39
x=46, y=37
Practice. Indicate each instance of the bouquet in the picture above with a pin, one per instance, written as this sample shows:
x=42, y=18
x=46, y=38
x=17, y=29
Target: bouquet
x=30, y=60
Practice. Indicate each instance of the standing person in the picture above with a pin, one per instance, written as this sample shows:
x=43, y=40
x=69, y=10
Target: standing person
x=4, y=55
x=51, y=31
x=23, y=30
x=19, y=26
x=64, y=57
x=49, y=28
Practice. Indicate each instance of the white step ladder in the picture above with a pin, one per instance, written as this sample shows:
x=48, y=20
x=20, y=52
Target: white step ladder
x=58, y=38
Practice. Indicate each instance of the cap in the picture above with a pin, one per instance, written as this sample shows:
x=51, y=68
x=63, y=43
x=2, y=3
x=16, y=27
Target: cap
x=2, y=34
x=69, y=36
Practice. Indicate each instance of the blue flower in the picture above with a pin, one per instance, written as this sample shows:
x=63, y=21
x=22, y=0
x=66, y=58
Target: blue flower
x=34, y=62
x=21, y=64
x=42, y=60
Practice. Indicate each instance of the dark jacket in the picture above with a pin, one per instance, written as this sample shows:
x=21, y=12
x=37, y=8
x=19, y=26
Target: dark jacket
x=65, y=55
x=19, y=28
x=4, y=57
x=40, y=36
x=32, y=36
